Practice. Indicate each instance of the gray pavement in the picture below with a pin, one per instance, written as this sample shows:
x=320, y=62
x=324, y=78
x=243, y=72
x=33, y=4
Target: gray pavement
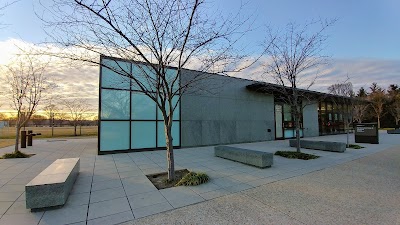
x=113, y=189
x=363, y=191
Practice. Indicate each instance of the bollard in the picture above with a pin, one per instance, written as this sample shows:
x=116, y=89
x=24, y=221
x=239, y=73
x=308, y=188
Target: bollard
x=23, y=139
x=30, y=137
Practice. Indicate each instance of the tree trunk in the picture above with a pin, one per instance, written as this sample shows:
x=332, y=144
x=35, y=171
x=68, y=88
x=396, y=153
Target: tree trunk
x=347, y=127
x=170, y=149
x=297, y=129
x=379, y=122
x=18, y=129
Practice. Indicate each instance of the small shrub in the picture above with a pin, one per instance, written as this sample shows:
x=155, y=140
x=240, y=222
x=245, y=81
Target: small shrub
x=296, y=155
x=14, y=155
x=353, y=146
x=193, y=179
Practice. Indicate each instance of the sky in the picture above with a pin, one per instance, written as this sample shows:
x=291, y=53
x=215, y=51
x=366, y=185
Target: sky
x=363, y=44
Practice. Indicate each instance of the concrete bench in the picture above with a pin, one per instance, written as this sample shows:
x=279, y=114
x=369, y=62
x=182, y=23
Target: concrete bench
x=53, y=185
x=246, y=156
x=320, y=145
x=395, y=131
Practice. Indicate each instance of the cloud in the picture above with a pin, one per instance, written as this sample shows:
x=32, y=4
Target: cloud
x=73, y=80
x=81, y=81
x=361, y=72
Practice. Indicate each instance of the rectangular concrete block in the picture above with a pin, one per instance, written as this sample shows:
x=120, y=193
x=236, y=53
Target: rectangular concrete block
x=396, y=131
x=53, y=185
x=246, y=156
x=320, y=145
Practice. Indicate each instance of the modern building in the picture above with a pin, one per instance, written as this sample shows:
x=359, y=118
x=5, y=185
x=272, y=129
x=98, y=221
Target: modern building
x=215, y=110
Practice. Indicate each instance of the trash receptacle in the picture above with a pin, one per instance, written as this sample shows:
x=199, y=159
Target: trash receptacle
x=366, y=133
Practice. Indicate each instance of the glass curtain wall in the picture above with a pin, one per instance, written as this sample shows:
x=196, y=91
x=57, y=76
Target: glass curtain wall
x=286, y=117
x=128, y=119
x=331, y=118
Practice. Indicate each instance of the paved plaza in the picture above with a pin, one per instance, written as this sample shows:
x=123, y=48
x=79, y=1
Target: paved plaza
x=113, y=189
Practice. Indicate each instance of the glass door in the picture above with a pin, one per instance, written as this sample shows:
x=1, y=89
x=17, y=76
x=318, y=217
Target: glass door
x=278, y=121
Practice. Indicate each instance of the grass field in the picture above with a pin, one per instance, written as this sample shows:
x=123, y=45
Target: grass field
x=7, y=134
x=6, y=142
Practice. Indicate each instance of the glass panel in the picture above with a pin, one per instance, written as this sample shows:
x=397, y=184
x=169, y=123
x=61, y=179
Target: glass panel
x=143, y=107
x=329, y=106
x=287, y=113
x=143, y=134
x=161, y=134
x=323, y=106
x=148, y=78
x=176, y=111
x=115, y=74
x=171, y=75
x=291, y=133
x=278, y=121
x=114, y=135
x=115, y=104
x=145, y=76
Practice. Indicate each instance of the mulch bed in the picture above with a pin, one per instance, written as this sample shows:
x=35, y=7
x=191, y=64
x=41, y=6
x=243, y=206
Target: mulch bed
x=296, y=155
x=160, y=179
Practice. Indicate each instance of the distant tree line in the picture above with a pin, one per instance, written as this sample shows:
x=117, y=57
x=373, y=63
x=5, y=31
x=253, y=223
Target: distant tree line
x=381, y=105
x=61, y=119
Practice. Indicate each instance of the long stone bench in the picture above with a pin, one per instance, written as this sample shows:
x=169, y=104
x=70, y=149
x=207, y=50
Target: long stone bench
x=246, y=156
x=395, y=131
x=320, y=145
x=53, y=185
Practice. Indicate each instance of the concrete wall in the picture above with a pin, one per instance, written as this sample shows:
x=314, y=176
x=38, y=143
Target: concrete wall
x=310, y=120
x=220, y=110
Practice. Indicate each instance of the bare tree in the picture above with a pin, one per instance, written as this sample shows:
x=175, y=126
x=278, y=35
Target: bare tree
x=395, y=109
x=27, y=84
x=393, y=93
x=77, y=109
x=60, y=117
x=156, y=35
x=50, y=109
x=378, y=98
x=344, y=89
x=345, y=95
x=4, y=6
x=360, y=107
x=292, y=54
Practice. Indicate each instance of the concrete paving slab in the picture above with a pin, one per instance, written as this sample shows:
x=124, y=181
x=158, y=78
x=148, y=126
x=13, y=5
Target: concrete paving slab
x=358, y=180
x=10, y=196
x=181, y=196
x=4, y=206
x=215, y=194
x=20, y=219
x=107, y=194
x=152, y=209
x=207, y=187
x=146, y=199
x=112, y=219
x=65, y=215
x=78, y=199
x=109, y=207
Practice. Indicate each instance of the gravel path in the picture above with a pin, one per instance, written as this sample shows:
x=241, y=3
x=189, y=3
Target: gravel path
x=363, y=191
